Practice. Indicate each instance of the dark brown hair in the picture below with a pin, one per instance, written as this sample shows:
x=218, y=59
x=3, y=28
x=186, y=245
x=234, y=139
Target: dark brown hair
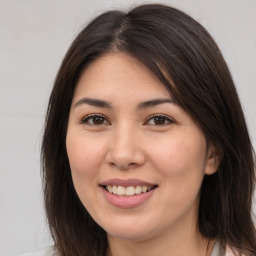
x=172, y=45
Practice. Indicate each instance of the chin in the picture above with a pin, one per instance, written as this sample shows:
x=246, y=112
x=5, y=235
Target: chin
x=132, y=235
x=130, y=230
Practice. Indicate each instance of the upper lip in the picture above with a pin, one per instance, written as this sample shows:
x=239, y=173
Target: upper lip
x=126, y=182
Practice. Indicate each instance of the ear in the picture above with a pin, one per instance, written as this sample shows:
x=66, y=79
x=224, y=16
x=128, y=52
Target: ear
x=213, y=159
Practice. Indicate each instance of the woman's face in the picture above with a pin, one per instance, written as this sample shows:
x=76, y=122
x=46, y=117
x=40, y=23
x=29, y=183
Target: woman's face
x=137, y=159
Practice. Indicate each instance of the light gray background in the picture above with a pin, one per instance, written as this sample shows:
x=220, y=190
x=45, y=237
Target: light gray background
x=34, y=36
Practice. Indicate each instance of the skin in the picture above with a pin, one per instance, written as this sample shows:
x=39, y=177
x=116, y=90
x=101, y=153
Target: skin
x=126, y=142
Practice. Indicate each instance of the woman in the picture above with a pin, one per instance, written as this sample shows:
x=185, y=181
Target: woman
x=145, y=149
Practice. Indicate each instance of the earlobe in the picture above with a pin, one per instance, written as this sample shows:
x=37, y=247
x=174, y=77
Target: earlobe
x=212, y=161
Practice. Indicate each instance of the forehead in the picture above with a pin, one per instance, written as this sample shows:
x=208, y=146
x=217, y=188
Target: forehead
x=119, y=75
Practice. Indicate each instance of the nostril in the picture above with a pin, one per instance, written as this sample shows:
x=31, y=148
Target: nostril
x=123, y=165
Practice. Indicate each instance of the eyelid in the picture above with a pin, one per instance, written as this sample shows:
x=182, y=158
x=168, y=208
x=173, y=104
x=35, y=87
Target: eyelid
x=166, y=117
x=84, y=120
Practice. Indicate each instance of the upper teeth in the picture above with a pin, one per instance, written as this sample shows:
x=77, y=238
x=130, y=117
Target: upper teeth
x=128, y=191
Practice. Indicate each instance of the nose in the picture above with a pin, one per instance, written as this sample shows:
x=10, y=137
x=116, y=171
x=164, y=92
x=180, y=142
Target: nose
x=125, y=149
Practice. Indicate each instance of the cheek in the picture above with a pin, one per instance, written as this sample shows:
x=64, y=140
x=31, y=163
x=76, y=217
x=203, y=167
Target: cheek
x=85, y=159
x=83, y=153
x=181, y=160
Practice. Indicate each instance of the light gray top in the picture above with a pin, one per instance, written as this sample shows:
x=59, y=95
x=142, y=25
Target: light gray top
x=217, y=250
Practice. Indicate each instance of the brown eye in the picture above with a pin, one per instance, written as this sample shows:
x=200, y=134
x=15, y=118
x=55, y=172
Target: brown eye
x=159, y=120
x=95, y=120
x=98, y=120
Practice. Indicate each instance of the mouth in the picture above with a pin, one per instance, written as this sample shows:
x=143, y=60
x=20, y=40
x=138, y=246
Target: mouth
x=119, y=190
x=127, y=193
x=127, y=188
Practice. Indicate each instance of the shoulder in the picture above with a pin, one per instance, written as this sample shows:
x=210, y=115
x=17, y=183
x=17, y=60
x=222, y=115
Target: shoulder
x=230, y=252
x=49, y=251
x=218, y=250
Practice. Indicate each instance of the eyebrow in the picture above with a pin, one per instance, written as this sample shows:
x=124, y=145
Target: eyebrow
x=105, y=104
x=93, y=102
x=155, y=102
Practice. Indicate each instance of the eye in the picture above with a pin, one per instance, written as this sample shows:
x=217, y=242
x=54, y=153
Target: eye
x=159, y=120
x=95, y=120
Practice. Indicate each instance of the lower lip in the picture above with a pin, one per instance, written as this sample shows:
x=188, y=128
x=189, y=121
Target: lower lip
x=127, y=201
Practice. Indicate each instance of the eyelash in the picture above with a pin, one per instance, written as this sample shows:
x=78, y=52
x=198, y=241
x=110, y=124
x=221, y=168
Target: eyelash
x=167, y=120
x=87, y=119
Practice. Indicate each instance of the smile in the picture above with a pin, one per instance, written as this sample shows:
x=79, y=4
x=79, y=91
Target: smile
x=128, y=191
